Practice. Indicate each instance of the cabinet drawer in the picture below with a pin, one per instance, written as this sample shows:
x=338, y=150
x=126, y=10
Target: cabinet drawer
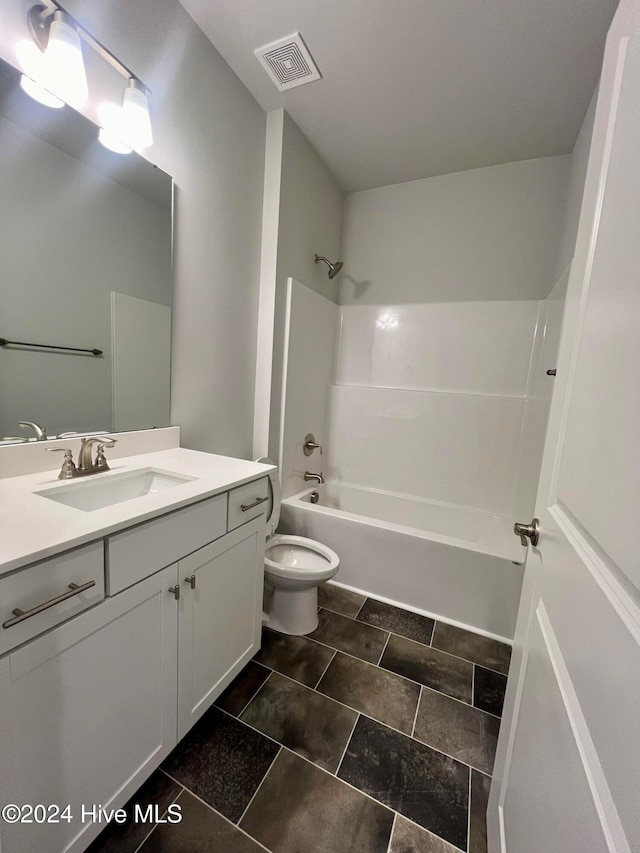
x=45, y=582
x=248, y=501
x=139, y=552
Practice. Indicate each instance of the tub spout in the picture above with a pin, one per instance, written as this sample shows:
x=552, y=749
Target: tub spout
x=309, y=476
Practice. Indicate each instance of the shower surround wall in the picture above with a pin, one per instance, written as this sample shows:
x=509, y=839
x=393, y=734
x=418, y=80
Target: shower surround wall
x=429, y=400
x=439, y=387
x=445, y=402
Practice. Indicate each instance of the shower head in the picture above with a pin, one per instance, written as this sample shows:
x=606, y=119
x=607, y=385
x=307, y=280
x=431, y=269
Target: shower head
x=334, y=269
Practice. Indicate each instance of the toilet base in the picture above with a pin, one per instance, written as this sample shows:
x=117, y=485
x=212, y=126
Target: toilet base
x=293, y=611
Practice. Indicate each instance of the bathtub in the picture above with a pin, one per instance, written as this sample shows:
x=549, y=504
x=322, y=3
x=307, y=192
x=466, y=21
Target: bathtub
x=460, y=565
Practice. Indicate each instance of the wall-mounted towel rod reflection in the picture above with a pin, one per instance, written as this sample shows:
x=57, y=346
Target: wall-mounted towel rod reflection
x=4, y=342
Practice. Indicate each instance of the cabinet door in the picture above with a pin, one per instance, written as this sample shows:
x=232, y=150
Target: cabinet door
x=87, y=712
x=220, y=617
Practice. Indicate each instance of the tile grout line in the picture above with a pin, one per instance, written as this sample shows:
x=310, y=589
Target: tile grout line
x=384, y=669
x=415, y=716
x=436, y=622
x=469, y=816
x=394, y=634
x=324, y=672
x=459, y=657
x=255, y=696
x=360, y=714
x=355, y=618
x=155, y=826
x=384, y=649
x=343, y=705
x=344, y=781
x=393, y=829
x=259, y=786
x=224, y=817
x=462, y=702
x=432, y=834
x=433, y=632
x=346, y=746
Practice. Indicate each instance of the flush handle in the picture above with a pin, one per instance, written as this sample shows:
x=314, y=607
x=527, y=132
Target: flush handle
x=528, y=531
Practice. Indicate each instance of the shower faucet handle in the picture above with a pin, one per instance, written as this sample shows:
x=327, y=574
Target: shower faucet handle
x=310, y=444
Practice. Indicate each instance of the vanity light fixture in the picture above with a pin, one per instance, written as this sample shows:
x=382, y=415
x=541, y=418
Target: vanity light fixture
x=55, y=75
x=60, y=70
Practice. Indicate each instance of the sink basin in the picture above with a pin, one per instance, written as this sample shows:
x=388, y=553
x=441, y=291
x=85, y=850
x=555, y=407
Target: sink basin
x=96, y=493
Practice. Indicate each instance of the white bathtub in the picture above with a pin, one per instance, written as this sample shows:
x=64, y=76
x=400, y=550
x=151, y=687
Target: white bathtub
x=462, y=565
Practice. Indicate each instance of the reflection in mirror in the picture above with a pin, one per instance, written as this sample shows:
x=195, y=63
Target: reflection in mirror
x=85, y=262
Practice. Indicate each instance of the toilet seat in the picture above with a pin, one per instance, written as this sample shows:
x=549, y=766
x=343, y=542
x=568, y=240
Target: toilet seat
x=294, y=557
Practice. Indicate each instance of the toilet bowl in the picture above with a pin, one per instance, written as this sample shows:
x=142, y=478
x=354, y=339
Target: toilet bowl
x=294, y=567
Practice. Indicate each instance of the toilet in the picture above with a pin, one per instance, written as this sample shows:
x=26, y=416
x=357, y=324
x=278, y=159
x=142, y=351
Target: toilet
x=294, y=567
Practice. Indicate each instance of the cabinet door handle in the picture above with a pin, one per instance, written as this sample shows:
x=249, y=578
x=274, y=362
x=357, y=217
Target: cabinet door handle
x=21, y=615
x=191, y=580
x=176, y=591
x=245, y=507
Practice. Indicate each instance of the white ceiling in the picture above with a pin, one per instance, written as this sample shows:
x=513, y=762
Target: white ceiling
x=414, y=88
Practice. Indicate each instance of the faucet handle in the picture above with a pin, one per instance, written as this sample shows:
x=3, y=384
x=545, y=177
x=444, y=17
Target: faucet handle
x=106, y=441
x=310, y=444
x=68, y=470
x=101, y=460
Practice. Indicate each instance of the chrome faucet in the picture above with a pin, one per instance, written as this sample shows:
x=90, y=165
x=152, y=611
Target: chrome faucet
x=309, y=476
x=40, y=432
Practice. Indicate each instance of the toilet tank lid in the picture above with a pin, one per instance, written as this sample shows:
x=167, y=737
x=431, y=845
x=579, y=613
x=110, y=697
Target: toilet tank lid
x=273, y=516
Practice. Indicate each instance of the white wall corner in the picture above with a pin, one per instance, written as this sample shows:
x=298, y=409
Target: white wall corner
x=268, y=268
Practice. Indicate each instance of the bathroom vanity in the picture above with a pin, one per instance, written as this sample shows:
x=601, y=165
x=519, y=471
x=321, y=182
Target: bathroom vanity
x=159, y=605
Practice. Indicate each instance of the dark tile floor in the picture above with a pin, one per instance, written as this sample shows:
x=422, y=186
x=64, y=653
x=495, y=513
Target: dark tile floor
x=374, y=734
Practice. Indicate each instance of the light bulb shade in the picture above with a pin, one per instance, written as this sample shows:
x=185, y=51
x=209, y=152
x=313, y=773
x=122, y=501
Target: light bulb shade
x=135, y=122
x=31, y=60
x=39, y=93
x=110, y=117
x=112, y=142
x=63, y=70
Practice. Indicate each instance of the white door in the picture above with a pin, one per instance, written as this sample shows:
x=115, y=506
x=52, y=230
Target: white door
x=567, y=775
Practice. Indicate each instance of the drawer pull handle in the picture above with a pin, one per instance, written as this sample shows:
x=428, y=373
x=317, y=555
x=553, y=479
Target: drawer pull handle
x=245, y=507
x=191, y=580
x=21, y=615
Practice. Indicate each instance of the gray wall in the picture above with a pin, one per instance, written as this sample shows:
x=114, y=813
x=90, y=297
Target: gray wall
x=208, y=134
x=485, y=234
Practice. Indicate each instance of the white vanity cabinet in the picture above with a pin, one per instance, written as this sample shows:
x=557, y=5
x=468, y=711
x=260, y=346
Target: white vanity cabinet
x=220, y=617
x=87, y=712
x=91, y=707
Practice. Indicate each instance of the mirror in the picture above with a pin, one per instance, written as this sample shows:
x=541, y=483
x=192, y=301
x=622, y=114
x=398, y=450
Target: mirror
x=85, y=264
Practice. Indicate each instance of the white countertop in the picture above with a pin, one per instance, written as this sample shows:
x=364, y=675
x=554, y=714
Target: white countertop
x=33, y=527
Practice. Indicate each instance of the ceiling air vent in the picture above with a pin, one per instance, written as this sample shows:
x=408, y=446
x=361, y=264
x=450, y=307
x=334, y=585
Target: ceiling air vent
x=288, y=62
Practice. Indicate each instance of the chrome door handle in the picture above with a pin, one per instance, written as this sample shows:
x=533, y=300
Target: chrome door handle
x=528, y=531
x=245, y=507
x=21, y=615
x=191, y=580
